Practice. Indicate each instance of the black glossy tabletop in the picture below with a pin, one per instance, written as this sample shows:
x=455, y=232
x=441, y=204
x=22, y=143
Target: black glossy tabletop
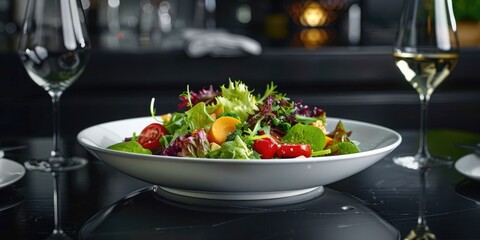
x=381, y=202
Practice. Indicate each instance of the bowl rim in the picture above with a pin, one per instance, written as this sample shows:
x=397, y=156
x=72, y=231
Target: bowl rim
x=367, y=153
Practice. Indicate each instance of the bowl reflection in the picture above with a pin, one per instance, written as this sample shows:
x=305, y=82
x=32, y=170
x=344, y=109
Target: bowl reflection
x=333, y=215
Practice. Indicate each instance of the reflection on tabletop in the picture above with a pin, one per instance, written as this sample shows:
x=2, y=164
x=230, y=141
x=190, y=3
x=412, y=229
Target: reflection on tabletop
x=9, y=198
x=333, y=215
x=421, y=231
x=469, y=189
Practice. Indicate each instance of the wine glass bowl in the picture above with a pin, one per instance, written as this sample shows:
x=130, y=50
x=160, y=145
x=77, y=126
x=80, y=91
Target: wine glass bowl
x=54, y=48
x=54, y=72
x=425, y=51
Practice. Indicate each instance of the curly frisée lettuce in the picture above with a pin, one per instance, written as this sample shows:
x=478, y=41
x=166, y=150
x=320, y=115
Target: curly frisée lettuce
x=232, y=123
x=237, y=99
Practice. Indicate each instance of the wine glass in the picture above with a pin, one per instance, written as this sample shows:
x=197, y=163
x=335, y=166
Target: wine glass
x=54, y=48
x=426, y=51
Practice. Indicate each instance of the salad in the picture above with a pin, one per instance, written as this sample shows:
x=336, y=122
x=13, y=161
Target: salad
x=233, y=123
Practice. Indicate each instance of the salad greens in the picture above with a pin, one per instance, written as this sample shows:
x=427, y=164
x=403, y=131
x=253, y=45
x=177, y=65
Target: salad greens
x=198, y=117
x=130, y=146
x=237, y=99
x=233, y=123
x=236, y=149
x=306, y=134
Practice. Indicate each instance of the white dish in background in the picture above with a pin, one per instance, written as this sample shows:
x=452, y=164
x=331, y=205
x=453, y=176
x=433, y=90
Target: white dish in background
x=238, y=179
x=10, y=172
x=469, y=166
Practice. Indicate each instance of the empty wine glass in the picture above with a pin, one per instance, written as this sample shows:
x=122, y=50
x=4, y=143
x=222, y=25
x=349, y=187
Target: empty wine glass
x=54, y=49
x=426, y=51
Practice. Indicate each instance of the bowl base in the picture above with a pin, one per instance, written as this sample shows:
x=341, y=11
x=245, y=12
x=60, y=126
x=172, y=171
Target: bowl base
x=236, y=200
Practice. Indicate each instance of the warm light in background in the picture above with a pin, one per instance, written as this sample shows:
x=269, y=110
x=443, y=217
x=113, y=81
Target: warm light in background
x=313, y=15
x=315, y=19
x=313, y=37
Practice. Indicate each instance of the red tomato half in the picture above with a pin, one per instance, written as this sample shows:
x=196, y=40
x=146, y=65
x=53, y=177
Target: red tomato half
x=294, y=150
x=150, y=136
x=266, y=147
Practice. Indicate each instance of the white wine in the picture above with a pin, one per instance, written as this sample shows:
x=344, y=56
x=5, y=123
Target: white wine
x=54, y=71
x=425, y=71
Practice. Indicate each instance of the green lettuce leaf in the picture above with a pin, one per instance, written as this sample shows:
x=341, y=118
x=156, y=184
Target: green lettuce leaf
x=176, y=122
x=198, y=117
x=341, y=143
x=176, y=126
x=341, y=148
x=306, y=134
x=236, y=149
x=131, y=146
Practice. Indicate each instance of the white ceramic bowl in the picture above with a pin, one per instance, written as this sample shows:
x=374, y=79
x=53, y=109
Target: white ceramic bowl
x=233, y=179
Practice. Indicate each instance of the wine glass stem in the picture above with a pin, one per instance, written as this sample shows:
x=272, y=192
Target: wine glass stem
x=422, y=203
x=56, y=205
x=423, y=152
x=55, y=153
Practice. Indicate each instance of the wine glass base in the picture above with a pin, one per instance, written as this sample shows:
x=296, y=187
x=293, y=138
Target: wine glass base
x=417, y=162
x=420, y=233
x=58, y=235
x=44, y=165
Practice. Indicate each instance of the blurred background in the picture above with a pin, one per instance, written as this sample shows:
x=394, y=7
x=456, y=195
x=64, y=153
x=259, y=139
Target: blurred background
x=334, y=54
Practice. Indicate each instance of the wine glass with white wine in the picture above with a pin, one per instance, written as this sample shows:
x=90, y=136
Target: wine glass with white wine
x=54, y=48
x=426, y=51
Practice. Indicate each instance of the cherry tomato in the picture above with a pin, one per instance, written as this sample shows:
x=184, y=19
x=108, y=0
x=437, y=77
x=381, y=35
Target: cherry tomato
x=266, y=147
x=150, y=136
x=290, y=150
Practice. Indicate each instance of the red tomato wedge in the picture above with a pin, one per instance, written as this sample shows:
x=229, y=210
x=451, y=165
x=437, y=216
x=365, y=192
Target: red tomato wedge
x=266, y=147
x=293, y=150
x=150, y=136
